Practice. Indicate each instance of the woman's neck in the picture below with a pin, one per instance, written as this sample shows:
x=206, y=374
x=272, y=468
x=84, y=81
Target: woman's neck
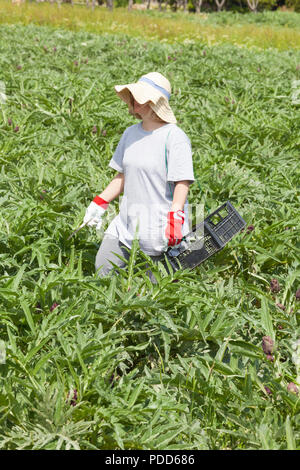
x=149, y=125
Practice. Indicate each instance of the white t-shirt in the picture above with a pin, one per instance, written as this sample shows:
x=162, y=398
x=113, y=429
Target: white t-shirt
x=148, y=185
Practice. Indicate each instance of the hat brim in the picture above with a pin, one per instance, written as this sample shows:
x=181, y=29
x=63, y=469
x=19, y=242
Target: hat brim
x=142, y=92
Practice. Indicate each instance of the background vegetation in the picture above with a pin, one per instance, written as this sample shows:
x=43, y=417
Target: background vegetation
x=210, y=361
x=263, y=30
x=195, y=6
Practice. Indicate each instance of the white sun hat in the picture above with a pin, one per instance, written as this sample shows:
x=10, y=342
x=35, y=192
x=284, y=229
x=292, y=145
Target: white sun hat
x=153, y=87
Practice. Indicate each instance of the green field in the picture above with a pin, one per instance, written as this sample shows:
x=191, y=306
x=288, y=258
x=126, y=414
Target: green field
x=267, y=29
x=121, y=363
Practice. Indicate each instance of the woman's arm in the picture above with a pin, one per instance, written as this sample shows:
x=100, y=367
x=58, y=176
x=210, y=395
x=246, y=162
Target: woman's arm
x=180, y=194
x=114, y=188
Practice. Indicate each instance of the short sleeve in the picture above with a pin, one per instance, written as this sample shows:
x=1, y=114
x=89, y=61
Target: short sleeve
x=116, y=161
x=180, y=160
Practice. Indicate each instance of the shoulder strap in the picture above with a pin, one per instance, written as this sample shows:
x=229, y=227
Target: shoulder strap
x=166, y=161
x=170, y=187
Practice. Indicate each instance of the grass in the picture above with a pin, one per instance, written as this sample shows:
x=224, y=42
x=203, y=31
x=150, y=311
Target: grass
x=231, y=18
x=264, y=30
x=121, y=363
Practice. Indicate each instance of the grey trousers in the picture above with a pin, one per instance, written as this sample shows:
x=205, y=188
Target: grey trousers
x=108, y=247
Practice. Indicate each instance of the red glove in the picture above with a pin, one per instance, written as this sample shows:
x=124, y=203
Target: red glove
x=173, y=231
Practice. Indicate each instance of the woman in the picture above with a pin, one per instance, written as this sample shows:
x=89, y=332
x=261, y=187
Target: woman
x=154, y=164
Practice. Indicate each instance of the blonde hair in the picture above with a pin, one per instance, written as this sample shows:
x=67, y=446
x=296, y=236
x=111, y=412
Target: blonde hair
x=154, y=116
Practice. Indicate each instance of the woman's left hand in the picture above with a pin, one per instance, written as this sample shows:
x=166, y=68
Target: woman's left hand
x=173, y=231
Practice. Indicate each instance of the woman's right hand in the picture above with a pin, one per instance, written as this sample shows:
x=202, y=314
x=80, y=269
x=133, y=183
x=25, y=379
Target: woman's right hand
x=173, y=232
x=94, y=212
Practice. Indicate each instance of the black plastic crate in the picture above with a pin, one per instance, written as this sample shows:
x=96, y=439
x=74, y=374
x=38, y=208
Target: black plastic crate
x=206, y=238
